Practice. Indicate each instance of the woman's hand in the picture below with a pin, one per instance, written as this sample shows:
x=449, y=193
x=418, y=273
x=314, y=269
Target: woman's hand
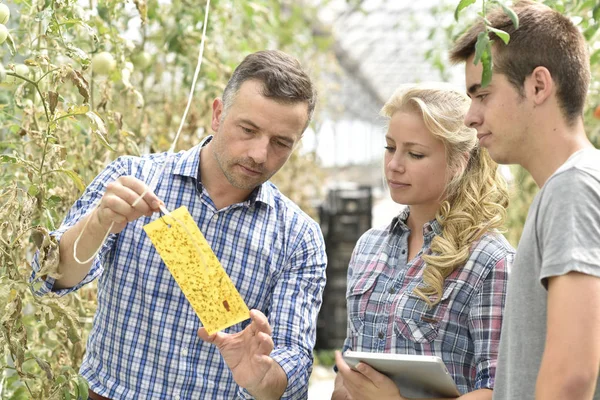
x=366, y=383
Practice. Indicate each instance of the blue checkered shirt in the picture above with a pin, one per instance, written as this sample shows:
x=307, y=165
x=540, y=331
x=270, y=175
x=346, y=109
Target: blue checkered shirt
x=143, y=343
x=385, y=316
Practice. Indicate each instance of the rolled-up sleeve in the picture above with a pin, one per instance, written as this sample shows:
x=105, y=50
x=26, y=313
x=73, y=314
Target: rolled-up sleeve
x=296, y=300
x=82, y=207
x=485, y=321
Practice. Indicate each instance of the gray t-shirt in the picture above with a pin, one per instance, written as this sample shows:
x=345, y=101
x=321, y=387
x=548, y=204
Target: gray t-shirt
x=561, y=234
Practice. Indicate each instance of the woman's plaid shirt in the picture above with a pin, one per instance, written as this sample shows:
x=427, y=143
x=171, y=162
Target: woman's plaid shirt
x=384, y=315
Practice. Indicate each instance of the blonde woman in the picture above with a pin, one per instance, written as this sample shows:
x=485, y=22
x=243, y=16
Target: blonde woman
x=433, y=281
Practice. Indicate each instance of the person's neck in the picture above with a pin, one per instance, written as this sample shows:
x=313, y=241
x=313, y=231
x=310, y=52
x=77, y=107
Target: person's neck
x=556, y=142
x=221, y=192
x=418, y=217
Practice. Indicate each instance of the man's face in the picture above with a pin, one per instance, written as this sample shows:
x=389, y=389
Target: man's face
x=500, y=114
x=256, y=136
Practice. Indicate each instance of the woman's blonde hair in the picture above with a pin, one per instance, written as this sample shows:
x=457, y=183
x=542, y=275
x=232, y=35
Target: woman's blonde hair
x=476, y=196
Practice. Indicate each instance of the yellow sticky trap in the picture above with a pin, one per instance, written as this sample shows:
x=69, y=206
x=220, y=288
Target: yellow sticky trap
x=197, y=271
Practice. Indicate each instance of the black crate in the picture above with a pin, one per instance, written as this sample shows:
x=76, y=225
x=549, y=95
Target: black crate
x=350, y=201
x=339, y=255
x=332, y=321
x=347, y=228
x=336, y=264
x=336, y=282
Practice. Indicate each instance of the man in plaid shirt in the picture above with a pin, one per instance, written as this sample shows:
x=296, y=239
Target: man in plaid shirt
x=146, y=342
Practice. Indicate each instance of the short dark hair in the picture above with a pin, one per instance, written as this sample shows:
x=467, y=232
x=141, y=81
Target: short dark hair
x=282, y=75
x=545, y=38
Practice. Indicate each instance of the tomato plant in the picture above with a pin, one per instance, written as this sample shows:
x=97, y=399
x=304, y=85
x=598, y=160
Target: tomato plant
x=70, y=102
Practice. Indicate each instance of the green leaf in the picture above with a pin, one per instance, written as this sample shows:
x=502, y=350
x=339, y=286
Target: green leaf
x=595, y=58
x=45, y=367
x=73, y=334
x=591, y=31
x=4, y=159
x=20, y=394
x=11, y=44
x=33, y=190
x=486, y=61
x=82, y=388
x=78, y=55
x=461, y=6
x=511, y=14
x=72, y=111
x=142, y=8
x=99, y=129
x=74, y=177
x=501, y=34
x=480, y=47
x=44, y=18
x=52, y=201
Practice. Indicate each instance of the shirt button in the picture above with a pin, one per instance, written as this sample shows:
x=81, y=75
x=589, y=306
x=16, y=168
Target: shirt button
x=392, y=290
x=176, y=397
x=403, y=251
x=184, y=351
x=381, y=335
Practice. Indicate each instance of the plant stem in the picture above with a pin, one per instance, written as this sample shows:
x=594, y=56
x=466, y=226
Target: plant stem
x=21, y=235
x=47, y=138
x=49, y=72
x=37, y=88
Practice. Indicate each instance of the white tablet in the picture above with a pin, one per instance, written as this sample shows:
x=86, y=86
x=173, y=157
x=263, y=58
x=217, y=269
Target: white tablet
x=416, y=376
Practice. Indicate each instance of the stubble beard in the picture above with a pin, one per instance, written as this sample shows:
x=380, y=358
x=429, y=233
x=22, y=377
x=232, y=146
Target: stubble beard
x=235, y=180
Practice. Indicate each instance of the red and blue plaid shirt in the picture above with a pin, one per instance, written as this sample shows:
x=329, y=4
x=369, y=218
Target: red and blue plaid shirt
x=384, y=315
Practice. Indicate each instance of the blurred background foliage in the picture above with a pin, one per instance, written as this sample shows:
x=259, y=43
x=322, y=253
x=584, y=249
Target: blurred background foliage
x=63, y=117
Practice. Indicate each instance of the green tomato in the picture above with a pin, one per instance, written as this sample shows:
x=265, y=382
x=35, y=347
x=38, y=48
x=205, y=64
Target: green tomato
x=141, y=60
x=5, y=97
x=103, y=63
x=22, y=70
x=4, y=13
x=3, y=33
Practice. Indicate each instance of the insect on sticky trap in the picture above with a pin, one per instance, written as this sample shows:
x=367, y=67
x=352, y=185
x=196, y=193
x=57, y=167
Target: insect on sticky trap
x=197, y=270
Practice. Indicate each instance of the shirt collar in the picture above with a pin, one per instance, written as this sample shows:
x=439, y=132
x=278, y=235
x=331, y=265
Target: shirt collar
x=430, y=229
x=265, y=193
x=189, y=165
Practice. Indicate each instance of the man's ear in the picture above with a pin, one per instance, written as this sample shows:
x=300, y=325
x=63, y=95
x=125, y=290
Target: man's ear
x=540, y=85
x=217, y=114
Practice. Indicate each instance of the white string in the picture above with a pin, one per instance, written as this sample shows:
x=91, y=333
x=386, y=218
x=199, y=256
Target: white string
x=171, y=150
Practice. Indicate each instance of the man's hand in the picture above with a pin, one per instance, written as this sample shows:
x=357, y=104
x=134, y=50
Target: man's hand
x=246, y=353
x=116, y=206
x=121, y=203
x=366, y=383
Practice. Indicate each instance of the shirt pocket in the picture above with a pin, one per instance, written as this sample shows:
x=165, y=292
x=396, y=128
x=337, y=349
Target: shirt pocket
x=415, y=321
x=358, y=296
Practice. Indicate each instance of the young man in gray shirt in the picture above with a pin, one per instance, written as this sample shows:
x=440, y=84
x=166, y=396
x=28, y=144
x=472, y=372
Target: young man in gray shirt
x=531, y=114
